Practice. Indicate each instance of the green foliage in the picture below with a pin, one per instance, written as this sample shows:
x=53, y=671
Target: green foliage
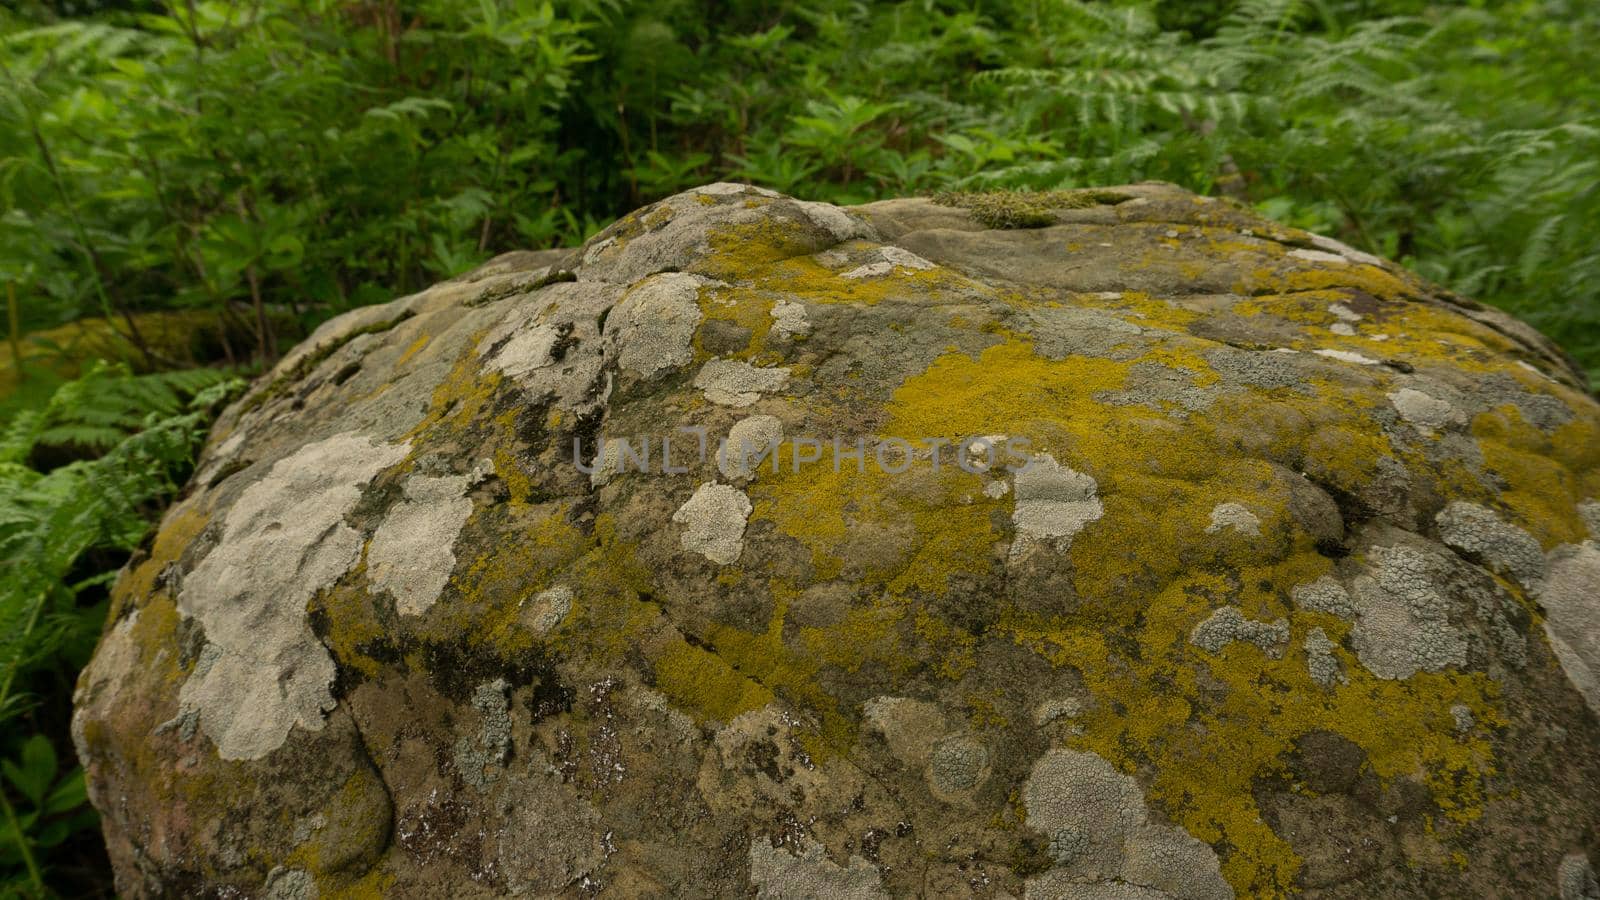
x=81, y=480
x=57, y=807
x=311, y=156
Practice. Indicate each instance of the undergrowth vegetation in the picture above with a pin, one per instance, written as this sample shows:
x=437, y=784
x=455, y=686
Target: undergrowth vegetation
x=81, y=478
x=254, y=168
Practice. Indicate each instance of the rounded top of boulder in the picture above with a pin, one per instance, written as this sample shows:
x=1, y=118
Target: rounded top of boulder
x=1112, y=543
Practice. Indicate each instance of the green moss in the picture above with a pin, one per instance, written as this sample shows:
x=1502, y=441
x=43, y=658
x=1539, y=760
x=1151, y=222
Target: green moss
x=1026, y=209
x=354, y=830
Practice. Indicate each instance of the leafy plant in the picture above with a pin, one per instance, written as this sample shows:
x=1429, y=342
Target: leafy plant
x=247, y=158
x=64, y=530
x=57, y=807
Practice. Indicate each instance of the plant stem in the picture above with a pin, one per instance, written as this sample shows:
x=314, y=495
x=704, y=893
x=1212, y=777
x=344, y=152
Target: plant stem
x=16, y=331
x=5, y=803
x=90, y=254
x=22, y=639
x=22, y=846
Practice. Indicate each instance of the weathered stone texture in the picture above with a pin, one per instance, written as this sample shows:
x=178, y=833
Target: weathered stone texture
x=1273, y=572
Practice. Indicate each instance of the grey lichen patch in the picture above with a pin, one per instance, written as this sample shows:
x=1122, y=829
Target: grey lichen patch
x=1321, y=662
x=1158, y=386
x=1571, y=599
x=842, y=225
x=680, y=727
x=550, y=344
x=781, y=875
x=1228, y=624
x=481, y=757
x=1056, y=709
x=789, y=320
x=1589, y=512
x=1402, y=618
x=1319, y=256
x=1425, y=411
x=607, y=463
x=1344, y=313
x=885, y=261
x=185, y=723
x=735, y=383
x=526, y=349
x=1345, y=250
x=412, y=552
x=545, y=838
x=957, y=768
x=1477, y=531
x=308, y=826
x=263, y=671
x=1053, y=503
x=1062, y=332
x=1264, y=370
x=1349, y=356
x=909, y=727
x=1545, y=411
x=1461, y=715
x=750, y=441
x=289, y=884
x=982, y=453
x=715, y=518
x=654, y=323
x=1326, y=595
x=545, y=611
x=1234, y=516
x=1575, y=878
x=1101, y=836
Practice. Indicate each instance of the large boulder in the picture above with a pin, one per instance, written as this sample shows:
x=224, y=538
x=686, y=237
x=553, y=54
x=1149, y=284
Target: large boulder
x=1182, y=554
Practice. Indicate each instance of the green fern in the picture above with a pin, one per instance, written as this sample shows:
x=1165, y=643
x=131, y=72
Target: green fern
x=102, y=407
x=152, y=426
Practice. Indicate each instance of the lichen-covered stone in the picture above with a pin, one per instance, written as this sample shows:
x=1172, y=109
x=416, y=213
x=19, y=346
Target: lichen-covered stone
x=1321, y=661
x=1571, y=599
x=1102, y=839
x=1227, y=625
x=261, y=671
x=750, y=442
x=1280, y=578
x=714, y=520
x=410, y=555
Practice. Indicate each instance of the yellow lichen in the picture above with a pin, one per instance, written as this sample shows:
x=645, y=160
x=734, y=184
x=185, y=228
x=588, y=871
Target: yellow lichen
x=1158, y=480
x=352, y=623
x=702, y=682
x=1539, y=485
